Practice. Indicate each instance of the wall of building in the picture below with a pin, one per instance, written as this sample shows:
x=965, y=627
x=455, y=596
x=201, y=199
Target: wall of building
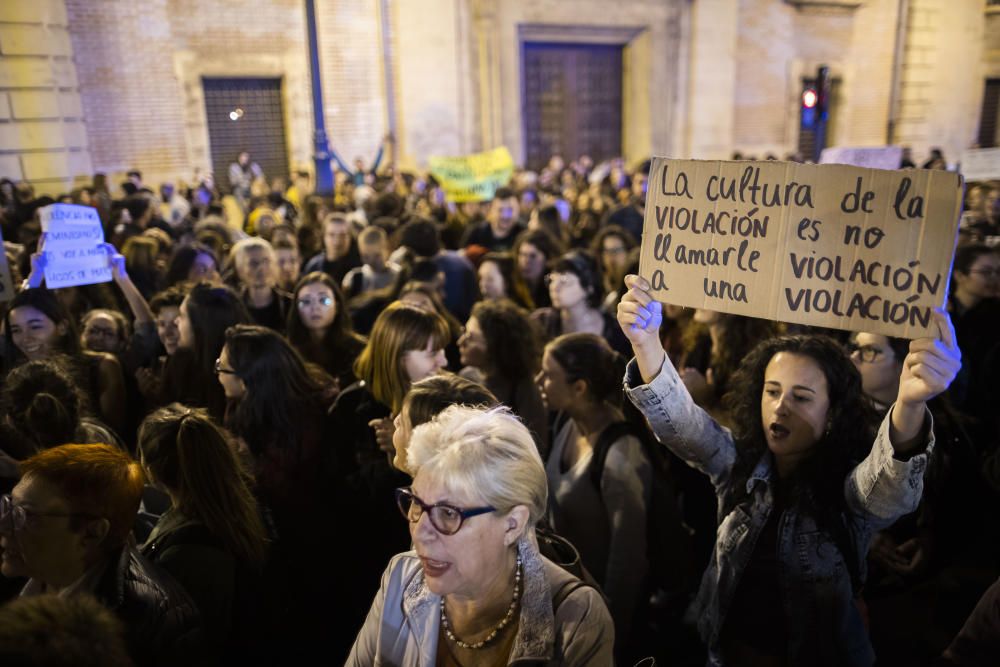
x=780, y=43
x=42, y=135
x=116, y=85
x=942, y=76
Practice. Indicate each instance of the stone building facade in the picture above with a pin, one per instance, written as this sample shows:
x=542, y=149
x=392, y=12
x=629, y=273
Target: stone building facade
x=109, y=85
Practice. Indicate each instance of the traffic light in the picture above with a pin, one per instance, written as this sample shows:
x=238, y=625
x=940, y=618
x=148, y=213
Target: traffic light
x=808, y=111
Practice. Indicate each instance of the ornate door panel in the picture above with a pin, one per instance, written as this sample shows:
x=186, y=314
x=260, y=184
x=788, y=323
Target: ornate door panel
x=572, y=97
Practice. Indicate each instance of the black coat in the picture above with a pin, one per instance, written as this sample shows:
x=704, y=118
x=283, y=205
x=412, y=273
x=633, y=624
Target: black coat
x=162, y=623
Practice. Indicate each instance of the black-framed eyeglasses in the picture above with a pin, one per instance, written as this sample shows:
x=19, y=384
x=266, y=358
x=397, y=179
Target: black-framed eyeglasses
x=16, y=516
x=987, y=273
x=867, y=353
x=219, y=370
x=446, y=519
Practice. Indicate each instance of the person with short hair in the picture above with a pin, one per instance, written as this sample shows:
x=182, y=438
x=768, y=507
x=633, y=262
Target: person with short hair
x=502, y=224
x=376, y=271
x=340, y=251
x=66, y=526
x=52, y=631
x=256, y=267
x=475, y=589
x=575, y=289
x=286, y=249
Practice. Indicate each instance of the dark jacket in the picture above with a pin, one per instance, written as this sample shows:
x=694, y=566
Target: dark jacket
x=162, y=623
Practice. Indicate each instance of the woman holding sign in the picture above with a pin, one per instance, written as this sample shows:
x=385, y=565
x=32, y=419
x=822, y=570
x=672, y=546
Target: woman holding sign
x=801, y=490
x=37, y=326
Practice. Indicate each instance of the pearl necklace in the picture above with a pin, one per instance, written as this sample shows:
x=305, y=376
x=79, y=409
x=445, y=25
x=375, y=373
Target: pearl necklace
x=504, y=622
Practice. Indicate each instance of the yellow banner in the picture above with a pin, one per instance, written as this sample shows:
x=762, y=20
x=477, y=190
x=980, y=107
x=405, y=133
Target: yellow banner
x=473, y=177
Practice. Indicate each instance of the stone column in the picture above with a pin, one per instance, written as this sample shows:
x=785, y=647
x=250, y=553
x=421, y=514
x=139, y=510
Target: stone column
x=42, y=135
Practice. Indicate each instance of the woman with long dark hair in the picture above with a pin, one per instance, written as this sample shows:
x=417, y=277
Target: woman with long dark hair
x=320, y=327
x=801, y=489
x=581, y=380
x=212, y=539
x=203, y=318
x=277, y=408
x=501, y=350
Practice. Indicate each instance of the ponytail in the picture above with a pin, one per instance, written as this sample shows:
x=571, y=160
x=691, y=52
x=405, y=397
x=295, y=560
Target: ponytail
x=186, y=452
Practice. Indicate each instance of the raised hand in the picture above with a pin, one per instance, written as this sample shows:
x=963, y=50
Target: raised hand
x=639, y=314
x=931, y=364
x=116, y=261
x=640, y=317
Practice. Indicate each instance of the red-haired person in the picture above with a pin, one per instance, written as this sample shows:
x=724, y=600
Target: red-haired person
x=66, y=526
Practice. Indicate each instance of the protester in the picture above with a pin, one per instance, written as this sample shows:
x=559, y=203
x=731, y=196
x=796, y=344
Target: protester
x=212, y=539
x=340, y=251
x=502, y=224
x=257, y=269
x=799, y=497
x=475, y=582
x=376, y=271
x=425, y=400
x=203, y=318
x=66, y=525
x=37, y=326
x=500, y=349
x=581, y=379
x=192, y=263
x=533, y=251
x=320, y=327
x=575, y=291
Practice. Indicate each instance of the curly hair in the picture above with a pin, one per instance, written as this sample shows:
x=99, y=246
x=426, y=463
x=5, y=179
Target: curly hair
x=512, y=338
x=852, y=420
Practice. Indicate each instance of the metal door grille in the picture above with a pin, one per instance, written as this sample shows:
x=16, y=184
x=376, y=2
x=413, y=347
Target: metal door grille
x=245, y=114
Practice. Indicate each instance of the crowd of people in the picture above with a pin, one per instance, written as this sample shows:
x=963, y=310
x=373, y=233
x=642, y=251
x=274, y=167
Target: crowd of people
x=381, y=428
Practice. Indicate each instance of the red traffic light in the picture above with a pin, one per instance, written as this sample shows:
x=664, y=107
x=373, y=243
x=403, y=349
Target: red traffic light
x=809, y=98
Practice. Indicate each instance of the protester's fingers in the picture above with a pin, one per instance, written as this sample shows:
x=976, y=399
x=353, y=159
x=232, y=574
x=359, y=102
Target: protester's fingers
x=946, y=329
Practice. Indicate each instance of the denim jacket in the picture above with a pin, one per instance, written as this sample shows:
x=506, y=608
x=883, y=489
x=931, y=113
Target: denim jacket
x=824, y=626
x=403, y=624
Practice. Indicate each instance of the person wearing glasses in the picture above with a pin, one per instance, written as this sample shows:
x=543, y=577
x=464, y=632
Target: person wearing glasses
x=278, y=411
x=974, y=305
x=474, y=590
x=66, y=526
x=319, y=327
x=911, y=563
x=614, y=247
x=804, y=480
x=575, y=288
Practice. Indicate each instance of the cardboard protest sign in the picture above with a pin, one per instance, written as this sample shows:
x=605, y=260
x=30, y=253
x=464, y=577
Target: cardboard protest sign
x=981, y=164
x=879, y=157
x=6, y=284
x=825, y=245
x=72, y=244
x=473, y=177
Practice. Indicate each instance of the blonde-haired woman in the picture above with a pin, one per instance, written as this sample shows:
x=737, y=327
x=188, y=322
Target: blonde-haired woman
x=406, y=344
x=475, y=590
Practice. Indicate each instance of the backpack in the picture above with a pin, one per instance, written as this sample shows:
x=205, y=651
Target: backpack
x=561, y=551
x=669, y=541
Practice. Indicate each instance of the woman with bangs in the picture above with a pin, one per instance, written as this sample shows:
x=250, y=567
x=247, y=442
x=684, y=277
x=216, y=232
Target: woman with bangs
x=406, y=345
x=320, y=327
